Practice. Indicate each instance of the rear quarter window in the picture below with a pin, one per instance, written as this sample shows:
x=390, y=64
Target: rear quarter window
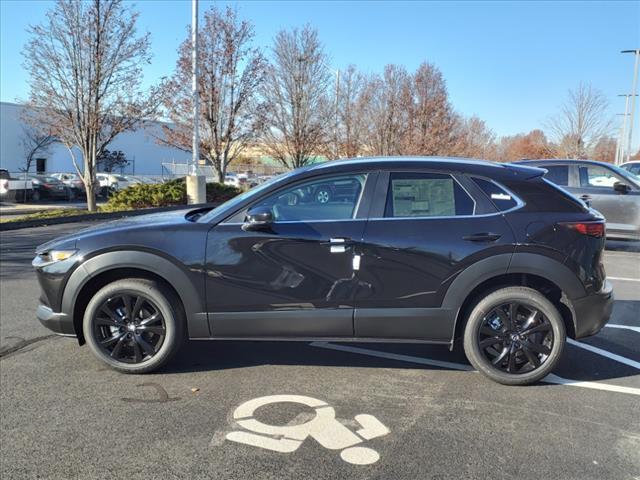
x=541, y=195
x=501, y=198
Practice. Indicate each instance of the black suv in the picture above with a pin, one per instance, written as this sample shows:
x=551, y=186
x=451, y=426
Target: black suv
x=428, y=250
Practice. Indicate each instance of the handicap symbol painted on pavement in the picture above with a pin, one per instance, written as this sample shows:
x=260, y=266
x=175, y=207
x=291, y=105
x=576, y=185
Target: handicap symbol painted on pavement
x=324, y=428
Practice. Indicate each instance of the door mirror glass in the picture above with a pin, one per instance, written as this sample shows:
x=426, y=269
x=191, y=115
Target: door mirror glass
x=258, y=218
x=620, y=187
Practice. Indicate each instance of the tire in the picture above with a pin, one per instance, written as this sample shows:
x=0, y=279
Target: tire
x=534, y=339
x=163, y=335
x=35, y=196
x=323, y=195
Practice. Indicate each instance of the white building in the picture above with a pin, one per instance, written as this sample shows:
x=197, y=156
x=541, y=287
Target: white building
x=141, y=148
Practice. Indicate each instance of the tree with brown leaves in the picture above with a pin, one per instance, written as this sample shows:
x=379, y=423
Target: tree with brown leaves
x=533, y=145
x=605, y=150
x=231, y=70
x=431, y=121
x=296, y=115
x=85, y=66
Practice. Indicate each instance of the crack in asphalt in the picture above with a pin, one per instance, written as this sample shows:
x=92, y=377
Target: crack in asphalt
x=6, y=352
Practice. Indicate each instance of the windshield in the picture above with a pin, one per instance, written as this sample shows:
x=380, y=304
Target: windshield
x=635, y=179
x=230, y=204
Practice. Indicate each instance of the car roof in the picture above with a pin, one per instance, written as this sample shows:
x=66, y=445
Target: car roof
x=559, y=161
x=463, y=165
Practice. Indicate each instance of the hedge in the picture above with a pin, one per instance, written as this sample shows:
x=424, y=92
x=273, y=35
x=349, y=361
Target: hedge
x=173, y=192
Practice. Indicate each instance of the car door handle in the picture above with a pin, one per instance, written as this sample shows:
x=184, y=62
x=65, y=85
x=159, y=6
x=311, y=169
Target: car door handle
x=339, y=244
x=482, y=237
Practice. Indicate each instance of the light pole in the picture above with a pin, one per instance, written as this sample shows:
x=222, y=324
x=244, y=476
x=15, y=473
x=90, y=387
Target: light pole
x=620, y=151
x=634, y=92
x=196, y=183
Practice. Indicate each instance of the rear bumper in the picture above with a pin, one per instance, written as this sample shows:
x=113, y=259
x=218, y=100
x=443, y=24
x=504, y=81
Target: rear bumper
x=59, y=323
x=592, y=312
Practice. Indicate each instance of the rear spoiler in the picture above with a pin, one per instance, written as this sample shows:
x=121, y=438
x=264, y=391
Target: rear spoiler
x=526, y=172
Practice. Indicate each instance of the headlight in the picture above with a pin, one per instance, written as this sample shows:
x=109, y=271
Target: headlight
x=52, y=256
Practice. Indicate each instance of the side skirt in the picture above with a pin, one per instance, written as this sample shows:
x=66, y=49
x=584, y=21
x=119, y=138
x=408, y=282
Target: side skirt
x=328, y=339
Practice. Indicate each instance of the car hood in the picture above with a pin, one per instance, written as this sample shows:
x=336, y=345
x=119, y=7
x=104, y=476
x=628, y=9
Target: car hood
x=139, y=221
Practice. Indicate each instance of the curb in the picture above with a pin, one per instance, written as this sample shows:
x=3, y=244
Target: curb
x=96, y=217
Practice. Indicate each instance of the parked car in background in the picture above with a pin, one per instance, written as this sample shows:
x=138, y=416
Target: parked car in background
x=611, y=190
x=423, y=250
x=14, y=189
x=136, y=179
x=112, y=182
x=232, y=179
x=49, y=187
x=73, y=181
x=633, y=167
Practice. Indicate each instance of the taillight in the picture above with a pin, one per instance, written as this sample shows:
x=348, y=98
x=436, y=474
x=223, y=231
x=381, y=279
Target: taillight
x=592, y=229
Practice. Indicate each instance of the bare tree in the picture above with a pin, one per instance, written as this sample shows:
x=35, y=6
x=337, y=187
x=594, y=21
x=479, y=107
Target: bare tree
x=387, y=111
x=108, y=161
x=350, y=98
x=85, y=65
x=474, y=139
x=35, y=142
x=230, y=74
x=581, y=122
x=296, y=114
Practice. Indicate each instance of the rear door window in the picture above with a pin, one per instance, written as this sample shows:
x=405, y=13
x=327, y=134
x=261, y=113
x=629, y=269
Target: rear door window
x=426, y=195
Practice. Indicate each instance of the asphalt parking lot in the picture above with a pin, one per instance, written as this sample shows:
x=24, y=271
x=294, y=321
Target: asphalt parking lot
x=399, y=411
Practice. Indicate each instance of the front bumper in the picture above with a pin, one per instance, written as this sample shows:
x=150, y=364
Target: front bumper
x=59, y=323
x=592, y=312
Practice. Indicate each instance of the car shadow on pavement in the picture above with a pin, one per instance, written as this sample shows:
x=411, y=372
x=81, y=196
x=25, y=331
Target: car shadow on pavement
x=575, y=364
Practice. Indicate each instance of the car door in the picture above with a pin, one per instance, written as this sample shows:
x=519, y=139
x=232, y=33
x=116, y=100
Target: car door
x=621, y=210
x=296, y=277
x=425, y=228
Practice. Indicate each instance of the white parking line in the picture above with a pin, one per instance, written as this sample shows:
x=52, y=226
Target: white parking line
x=392, y=356
x=605, y=353
x=625, y=327
x=551, y=378
x=624, y=279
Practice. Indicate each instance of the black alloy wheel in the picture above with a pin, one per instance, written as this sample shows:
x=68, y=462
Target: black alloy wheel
x=129, y=328
x=515, y=337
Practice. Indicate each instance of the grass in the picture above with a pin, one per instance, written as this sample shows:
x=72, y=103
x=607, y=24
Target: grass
x=45, y=214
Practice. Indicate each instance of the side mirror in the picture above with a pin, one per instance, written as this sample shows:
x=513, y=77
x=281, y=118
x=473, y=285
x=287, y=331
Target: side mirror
x=258, y=218
x=620, y=187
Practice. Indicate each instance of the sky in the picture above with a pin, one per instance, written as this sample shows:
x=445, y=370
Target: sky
x=510, y=63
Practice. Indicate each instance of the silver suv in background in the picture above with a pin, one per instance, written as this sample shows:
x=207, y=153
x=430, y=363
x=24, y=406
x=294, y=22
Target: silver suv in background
x=633, y=166
x=612, y=191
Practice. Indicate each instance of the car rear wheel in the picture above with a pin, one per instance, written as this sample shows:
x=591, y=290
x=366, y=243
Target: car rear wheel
x=134, y=325
x=323, y=195
x=514, y=336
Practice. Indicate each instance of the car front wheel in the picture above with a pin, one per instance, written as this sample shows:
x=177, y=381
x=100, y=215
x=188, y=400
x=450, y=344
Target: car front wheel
x=134, y=325
x=514, y=336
